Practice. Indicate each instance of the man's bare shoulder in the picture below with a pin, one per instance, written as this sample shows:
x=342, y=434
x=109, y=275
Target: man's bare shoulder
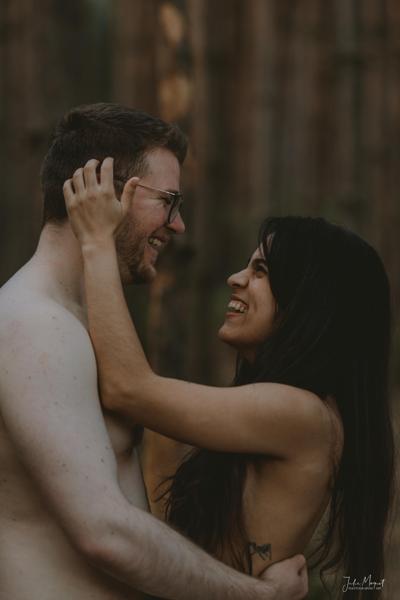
x=46, y=361
x=28, y=317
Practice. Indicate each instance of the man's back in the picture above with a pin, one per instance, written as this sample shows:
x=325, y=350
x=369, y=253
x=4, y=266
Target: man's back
x=38, y=558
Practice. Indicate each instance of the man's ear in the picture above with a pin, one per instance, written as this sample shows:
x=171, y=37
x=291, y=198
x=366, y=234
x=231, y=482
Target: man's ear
x=128, y=193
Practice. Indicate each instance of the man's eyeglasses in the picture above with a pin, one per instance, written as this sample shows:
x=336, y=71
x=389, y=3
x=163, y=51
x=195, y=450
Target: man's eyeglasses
x=173, y=200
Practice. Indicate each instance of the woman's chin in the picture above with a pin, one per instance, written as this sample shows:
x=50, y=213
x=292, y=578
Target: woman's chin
x=225, y=335
x=246, y=351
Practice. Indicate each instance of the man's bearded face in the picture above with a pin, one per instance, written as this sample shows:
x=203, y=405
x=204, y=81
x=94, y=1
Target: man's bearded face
x=145, y=231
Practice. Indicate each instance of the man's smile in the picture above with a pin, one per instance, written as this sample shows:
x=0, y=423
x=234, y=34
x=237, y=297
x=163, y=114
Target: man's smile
x=158, y=242
x=155, y=242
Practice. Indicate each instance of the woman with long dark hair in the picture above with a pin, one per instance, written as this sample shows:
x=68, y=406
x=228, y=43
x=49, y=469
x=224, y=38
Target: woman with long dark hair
x=306, y=425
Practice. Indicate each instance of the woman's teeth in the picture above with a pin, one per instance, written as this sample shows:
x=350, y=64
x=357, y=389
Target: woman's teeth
x=237, y=306
x=155, y=242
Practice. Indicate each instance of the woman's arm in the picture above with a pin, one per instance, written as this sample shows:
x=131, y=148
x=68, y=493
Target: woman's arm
x=260, y=418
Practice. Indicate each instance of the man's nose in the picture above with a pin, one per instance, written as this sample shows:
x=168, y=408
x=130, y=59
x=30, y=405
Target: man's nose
x=239, y=279
x=177, y=225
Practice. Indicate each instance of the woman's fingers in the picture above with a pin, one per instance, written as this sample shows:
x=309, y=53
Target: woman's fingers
x=90, y=175
x=85, y=184
x=93, y=209
x=78, y=181
x=68, y=191
x=107, y=174
x=85, y=179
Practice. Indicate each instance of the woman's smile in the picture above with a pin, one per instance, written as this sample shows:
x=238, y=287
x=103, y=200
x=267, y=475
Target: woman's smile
x=237, y=306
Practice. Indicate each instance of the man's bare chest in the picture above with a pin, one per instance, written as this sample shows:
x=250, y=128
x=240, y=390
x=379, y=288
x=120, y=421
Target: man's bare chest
x=128, y=461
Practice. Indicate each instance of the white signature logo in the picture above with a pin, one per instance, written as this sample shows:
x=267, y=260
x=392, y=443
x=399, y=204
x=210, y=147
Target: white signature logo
x=365, y=585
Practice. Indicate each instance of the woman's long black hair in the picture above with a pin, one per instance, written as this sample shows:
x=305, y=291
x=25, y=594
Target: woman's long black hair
x=332, y=338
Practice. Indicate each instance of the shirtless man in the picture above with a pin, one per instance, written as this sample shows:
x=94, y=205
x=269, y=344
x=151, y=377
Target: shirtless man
x=73, y=521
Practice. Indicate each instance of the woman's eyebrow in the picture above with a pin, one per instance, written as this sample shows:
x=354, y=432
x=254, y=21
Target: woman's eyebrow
x=259, y=262
x=256, y=262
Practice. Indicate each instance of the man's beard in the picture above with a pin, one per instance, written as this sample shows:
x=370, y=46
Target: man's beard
x=131, y=244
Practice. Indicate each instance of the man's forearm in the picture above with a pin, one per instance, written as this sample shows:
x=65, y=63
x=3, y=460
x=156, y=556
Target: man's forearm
x=150, y=556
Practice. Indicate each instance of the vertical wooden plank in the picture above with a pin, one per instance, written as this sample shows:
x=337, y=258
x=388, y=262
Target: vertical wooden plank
x=43, y=71
x=24, y=127
x=382, y=140
x=170, y=88
x=253, y=107
x=299, y=160
x=324, y=130
x=283, y=24
x=376, y=128
x=262, y=111
x=135, y=28
x=346, y=176
x=200, y=189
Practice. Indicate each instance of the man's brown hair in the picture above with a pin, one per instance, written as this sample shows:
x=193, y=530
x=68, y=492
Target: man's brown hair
x=97, y=131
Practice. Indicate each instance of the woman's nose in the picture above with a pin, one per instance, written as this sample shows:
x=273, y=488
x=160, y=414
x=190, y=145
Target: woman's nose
x=239, y=279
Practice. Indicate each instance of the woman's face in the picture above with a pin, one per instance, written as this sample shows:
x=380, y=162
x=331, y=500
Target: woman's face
x=251, y=309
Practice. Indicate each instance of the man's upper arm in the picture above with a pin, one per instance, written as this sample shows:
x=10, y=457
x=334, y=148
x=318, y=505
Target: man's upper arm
x=50, y=407
x=49, y=404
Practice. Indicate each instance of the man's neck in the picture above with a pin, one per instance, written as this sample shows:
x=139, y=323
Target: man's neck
x=58, y=261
